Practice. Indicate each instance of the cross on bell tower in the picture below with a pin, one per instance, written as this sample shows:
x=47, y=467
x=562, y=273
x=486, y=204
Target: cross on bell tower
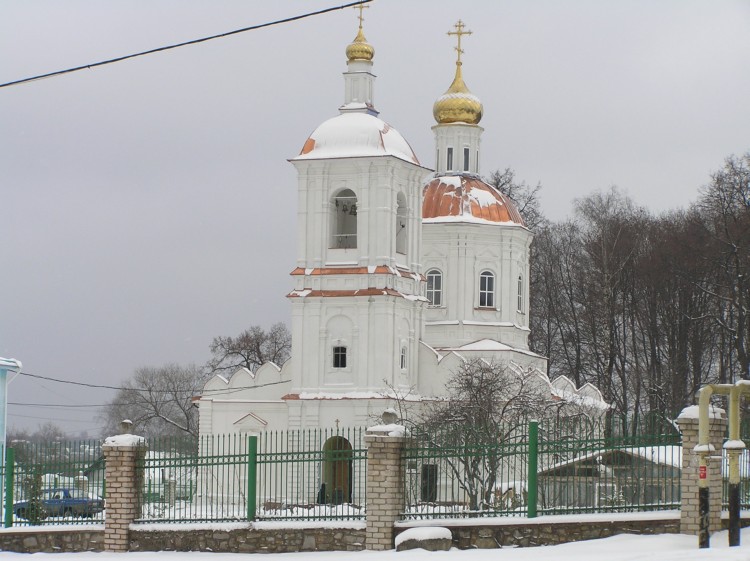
x=459, y=32
x=361, y=18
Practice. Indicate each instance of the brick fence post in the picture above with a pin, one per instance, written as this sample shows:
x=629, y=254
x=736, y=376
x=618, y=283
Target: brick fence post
x=385, y=484
x=123, y=488
x=688, y=423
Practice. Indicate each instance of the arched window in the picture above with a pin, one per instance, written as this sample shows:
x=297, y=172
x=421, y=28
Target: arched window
x=520, y=294
x=344, y=226
x=401, y=229
x=434, y=288
x=486, y=290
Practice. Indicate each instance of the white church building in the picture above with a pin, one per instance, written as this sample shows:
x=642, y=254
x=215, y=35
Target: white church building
x=402, y=273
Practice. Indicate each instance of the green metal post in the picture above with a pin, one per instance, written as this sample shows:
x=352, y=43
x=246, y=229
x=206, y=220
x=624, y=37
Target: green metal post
x=252, y=476
x=10, y=459
x=533, y=463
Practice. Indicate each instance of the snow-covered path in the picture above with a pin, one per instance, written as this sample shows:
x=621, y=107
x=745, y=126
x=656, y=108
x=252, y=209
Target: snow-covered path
x=617, y=548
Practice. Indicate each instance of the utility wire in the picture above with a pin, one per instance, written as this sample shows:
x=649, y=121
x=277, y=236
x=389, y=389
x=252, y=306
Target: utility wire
x=62, y=405
x=87, y=385
x=84, y=384
x=183, y=44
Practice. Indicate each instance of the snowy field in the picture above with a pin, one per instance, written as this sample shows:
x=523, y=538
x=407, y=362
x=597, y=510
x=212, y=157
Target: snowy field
x=618, y=548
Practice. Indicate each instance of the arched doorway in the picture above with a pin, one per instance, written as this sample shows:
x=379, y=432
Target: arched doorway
x=337, y=471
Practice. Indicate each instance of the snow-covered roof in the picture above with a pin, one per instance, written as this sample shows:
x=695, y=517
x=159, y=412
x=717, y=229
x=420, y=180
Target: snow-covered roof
x=666, y=455
x=10, y=364
x=466, y=198
x=352, y=135
x=487, y=345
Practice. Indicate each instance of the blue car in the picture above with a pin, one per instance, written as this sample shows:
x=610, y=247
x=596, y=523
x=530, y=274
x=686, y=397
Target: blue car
x=61, y=502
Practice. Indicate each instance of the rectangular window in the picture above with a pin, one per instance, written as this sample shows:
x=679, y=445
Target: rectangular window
x=466, y=159
x=449, y=160
x=520, y=293
x=339, y=357
x=403, y=358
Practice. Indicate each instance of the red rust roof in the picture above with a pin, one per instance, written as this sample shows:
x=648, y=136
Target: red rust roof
x=467, y=197
x=379, y=270
x=345, y=293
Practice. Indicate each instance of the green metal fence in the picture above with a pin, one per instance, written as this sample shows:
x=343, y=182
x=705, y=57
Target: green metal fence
x=559, y=466
x=279, y=475
x=191, y=479
x=744, y=460
x=47, y=483
x=592, y=466
x=312, y=475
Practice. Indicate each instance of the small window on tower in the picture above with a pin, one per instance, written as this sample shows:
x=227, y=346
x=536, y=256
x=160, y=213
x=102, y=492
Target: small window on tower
x=449, y=159
x=520, y=293
x=434, y=288
x=339, y=357
x=466, y=159
x=403, y=358
x=486, y=290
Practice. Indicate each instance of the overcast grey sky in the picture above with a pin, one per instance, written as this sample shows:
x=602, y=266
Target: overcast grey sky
x=147, y=206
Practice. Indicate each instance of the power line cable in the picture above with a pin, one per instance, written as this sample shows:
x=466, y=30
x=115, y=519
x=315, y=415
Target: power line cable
x=183, y=44
x=146, y=390
x=67, y=420
x=84, y=384
x=61, y=405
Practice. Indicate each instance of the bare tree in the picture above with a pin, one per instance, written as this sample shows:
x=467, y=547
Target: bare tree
x=724, y=212
x=251, y=349
x=488, y=405
x=158, y=401
x=47, y=432
x=522, y=194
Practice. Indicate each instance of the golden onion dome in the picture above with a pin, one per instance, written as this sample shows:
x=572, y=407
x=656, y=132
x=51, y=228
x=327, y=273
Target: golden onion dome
x=360, y=49
x=457, y=104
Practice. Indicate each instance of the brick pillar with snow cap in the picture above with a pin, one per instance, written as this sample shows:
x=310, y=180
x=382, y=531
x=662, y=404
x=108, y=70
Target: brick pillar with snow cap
x=124, y=483
x=689, y=477
x=385, y=481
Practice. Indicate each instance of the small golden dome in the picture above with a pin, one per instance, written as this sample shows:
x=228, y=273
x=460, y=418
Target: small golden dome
x=458, y=104
x=360, y=49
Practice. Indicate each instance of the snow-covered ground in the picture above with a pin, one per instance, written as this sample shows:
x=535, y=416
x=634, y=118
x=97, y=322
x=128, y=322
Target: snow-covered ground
x=666, y=547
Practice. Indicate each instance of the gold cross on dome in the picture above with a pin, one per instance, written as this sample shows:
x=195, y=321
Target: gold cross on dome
x=458, y=33
x=360, y=7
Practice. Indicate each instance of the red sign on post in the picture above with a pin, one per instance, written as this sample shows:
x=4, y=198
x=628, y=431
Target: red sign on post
x=702, y=472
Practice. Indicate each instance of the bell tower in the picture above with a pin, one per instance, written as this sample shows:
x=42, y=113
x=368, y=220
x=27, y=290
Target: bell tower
x=357, y=302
